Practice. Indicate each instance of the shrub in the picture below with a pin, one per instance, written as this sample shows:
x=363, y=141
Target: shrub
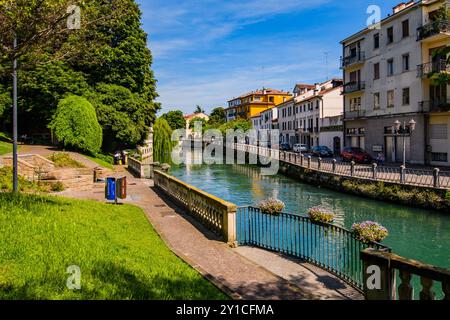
x=447, y=195
x=75, y=125
x=271, y=206
x=64, y=160
x=321, y=215
x=58, y=187
x=369, y=231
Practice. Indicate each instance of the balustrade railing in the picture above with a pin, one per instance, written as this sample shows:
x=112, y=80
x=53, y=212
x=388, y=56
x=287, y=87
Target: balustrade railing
x=330, y=247
x=435, y=281
x=215, y=214
x=408, y=176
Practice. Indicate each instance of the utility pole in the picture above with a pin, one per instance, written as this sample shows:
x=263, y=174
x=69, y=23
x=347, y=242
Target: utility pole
x=15, y=147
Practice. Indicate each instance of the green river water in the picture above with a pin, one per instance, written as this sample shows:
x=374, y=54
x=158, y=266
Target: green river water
x=418, y=234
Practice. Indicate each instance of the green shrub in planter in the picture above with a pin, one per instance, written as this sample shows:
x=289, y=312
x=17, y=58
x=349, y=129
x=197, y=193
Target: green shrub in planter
x=321, y=215
x=369, y=231
x=271, y=206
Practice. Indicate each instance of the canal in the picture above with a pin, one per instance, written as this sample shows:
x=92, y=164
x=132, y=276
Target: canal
x=414, y=233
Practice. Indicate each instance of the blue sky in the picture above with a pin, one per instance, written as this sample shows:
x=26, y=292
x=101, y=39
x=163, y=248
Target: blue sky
x=208, y=51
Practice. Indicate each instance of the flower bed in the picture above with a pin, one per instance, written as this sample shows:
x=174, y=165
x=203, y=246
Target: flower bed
x=321, y=215
x=369, y=231
x=271, y=206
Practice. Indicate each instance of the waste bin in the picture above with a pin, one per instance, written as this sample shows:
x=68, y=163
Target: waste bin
x=122, y=188
x=110, y=189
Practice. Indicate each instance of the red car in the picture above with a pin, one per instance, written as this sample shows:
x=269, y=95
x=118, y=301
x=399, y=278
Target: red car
x=356, y=154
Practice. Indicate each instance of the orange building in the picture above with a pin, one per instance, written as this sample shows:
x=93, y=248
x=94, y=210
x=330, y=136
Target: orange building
x=255, y=102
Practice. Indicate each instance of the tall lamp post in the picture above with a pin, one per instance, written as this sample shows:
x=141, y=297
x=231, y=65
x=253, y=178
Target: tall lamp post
x=403, y=128
x=15, y=138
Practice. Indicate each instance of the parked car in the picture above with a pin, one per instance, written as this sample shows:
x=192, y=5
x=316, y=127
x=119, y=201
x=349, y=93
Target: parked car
x=285, y=147
x=356, y=154
x=300, y=148
x=322, y=151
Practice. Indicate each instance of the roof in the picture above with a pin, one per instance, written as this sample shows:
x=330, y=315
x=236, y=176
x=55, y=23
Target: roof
x=304, y=85
x=263, y=92
x=196, y=115
x=320, y=94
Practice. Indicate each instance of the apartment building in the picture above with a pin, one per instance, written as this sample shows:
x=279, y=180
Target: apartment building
x=312, y=112
x=385, y=84
x=332, y=133
x=253, y=103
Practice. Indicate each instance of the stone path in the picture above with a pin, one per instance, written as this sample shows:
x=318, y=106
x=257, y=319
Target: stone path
x=243, y=273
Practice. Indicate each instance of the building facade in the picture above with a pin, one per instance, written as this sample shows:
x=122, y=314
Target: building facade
x=253, y=103
x=383, y=85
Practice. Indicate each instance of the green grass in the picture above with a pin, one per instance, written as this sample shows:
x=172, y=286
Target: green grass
x=64, y=160
x=102, y=160
x=24, y=185
x=119, y=253
x=5, y=147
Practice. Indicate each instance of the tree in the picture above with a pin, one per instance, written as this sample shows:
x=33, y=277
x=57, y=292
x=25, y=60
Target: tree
x=75, y=125
x=162, y=141
x=197, y=120
x=239, y=124
x=199, y=110
x=217, y=117
x=175, y=119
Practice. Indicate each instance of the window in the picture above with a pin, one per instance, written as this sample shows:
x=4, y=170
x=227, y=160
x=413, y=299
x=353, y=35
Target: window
x=405, y=62
x=271, y=99
x=376, y=71
x=406, y=97
x=439, y=157
x=439, y=131
x=376, y=101
x=317, y=104
x=390, y=99
x=355, y=104
x=405, y=28
x=390, y=65
x=390, y=35
x=376, y=41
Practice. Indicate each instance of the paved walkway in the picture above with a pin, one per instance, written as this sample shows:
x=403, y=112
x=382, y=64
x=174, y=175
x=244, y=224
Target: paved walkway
x=239, y=272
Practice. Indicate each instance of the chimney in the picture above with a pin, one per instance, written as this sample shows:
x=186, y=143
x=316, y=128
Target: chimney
x=317, y=89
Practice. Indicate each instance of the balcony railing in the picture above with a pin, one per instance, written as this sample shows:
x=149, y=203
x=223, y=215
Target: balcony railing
x=354, y=87
x=439, y=105
x=354, y=114
x=432, y=29
x=359, y=57
x=427, y=69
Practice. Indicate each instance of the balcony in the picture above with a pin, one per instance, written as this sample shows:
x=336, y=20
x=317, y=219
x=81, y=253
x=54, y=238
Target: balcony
x=439, y=105
x=355, y=114
x=354, y=87
x=432, y=29
x=428, y=69
x=358, y=57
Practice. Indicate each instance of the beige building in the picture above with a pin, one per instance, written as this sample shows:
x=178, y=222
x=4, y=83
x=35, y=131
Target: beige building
x=386, y=80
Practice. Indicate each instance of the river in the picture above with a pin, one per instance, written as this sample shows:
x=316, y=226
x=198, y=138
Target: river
x=418, y=234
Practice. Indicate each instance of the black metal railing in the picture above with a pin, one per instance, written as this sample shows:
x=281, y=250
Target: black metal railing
x=432, y=29
x=354, y=114
x=438, y=105
x=427, y=69
x=357, y=57
x=327, y=246
x=354, y=86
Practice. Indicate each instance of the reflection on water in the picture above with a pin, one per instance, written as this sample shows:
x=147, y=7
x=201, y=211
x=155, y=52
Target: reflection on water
x=418, y=234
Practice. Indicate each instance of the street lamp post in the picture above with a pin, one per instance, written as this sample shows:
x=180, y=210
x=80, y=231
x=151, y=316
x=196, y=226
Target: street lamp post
x=15, y=138
x=398, y=126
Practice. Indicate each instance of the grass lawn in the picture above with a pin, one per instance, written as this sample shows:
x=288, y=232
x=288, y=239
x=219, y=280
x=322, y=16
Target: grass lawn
x=100, y=161
x=119, y=253
x=64, y=160
x=5, y=147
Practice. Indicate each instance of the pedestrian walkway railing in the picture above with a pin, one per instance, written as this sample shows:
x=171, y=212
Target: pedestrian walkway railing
x=432, y=178
x=434, y=281
x=215, y=214
x=327, y=246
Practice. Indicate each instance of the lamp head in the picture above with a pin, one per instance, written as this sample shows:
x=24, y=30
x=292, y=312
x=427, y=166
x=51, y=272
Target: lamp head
x=412, y=125
x=397, y=125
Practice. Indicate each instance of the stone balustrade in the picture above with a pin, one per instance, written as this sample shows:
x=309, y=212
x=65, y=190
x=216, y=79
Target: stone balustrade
x=390, y=265
x=215, y=214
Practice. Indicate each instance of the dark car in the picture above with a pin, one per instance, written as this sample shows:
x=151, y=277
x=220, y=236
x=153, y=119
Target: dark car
x=285, y=147
x=357, y=155
x=322, y=151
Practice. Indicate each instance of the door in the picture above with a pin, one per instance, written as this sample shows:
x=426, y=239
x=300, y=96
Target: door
x=337, y=145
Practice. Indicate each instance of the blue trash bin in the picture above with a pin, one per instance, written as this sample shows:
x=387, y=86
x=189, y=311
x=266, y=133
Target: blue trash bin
x=111, y=189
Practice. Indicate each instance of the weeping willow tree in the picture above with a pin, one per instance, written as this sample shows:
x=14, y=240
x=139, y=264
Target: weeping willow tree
x=162, y=141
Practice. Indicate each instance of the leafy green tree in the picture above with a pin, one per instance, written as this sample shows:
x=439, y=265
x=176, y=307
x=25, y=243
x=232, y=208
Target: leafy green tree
x=175, y=119
x=199, y=110
x=217, y=117
x=162, y=141
x=202, y=121
x=75, y=125
x=5, y=100
x=239, y=124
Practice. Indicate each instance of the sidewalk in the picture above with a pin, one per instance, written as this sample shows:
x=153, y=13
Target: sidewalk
x=236, y=271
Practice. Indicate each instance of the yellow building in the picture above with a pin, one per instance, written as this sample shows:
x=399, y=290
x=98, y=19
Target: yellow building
x=253, y=103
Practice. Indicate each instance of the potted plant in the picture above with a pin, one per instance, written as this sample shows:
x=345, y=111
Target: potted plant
x=321, y=215
x=369, y=231
x=271, y=206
